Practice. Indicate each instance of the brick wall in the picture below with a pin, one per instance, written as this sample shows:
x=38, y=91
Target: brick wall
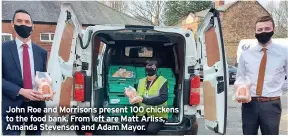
x=238, y=23
x=35, y=37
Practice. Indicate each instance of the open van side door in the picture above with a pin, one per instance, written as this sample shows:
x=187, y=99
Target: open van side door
x=215, y=82
x=60, y=64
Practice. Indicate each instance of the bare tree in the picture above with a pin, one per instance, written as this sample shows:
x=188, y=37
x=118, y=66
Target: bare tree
x=149, y=10
x=120, y=6
x=279, y=13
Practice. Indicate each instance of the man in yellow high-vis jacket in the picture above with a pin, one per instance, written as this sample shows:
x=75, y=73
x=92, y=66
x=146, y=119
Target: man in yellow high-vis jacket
x=153, y=92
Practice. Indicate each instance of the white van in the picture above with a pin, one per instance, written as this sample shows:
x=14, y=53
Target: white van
x=81, y=76
x=245, y=44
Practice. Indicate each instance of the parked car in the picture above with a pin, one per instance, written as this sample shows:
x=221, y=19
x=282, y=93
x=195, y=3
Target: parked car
x=232, y=74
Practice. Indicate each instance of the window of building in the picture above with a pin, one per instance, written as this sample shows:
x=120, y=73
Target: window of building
x=6, y=37
x=46, y=37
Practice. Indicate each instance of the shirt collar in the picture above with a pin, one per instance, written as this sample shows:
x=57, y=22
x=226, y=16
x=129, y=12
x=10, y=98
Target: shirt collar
x=259, y=47
x=19, y=43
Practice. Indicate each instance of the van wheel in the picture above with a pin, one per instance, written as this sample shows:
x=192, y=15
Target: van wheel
x=79, y=132
x=194, y=129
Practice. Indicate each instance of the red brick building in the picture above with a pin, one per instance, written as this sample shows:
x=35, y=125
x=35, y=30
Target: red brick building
x=237, y=19
x=45, y=16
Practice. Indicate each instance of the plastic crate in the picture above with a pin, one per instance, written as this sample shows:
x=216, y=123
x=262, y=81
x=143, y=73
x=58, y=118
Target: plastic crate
x=128, y=113
x=170, y=91
x=171, y=86
x=139, y=76
x=170, y=101
x=119, y=82
x=140, y=69
x=113, y=69
x=118, y=87
x=118, y=99
x=170, y=115
x=164, y=71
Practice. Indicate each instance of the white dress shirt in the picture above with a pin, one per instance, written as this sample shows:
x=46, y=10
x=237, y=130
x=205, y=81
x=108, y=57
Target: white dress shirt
x=20, y=53
x=276, y=68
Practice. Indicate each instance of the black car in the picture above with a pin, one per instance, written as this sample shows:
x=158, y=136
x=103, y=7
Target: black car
x=232, y=74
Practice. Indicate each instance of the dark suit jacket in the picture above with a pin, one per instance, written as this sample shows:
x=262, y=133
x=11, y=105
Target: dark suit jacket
x=12, y=80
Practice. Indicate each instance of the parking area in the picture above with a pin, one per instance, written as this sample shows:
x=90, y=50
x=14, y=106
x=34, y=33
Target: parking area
x=234, y=123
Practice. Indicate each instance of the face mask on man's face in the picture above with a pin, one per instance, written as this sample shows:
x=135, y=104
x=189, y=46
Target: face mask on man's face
x=23, y=30
x=151, y=71
x=264, y=37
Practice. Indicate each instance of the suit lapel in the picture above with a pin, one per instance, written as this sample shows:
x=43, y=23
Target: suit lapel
x=14, y=51
x=36, y=57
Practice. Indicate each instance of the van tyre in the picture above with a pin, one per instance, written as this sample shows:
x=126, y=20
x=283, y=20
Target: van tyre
x=194, y=129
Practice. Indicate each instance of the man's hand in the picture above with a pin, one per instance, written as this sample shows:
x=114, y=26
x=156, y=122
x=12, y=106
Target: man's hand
x=243, y=101
x=50, y=98
x=136, y=100
x=31, y=94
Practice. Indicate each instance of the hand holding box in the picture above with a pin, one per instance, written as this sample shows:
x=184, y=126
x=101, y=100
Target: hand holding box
x=44, y=84
x=242, y=90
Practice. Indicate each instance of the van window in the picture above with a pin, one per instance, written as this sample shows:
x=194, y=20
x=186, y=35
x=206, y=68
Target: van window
x=139, y=51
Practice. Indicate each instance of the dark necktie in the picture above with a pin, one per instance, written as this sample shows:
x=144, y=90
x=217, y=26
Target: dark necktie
x=261, y=73
x=26, y=68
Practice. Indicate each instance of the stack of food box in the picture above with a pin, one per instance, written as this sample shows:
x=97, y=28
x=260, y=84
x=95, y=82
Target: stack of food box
x=119, y=78
x=125, y=76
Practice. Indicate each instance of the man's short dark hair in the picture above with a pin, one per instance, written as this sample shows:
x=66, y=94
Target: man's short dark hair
x=21, y=11
x=151, y=62
x=264, y=19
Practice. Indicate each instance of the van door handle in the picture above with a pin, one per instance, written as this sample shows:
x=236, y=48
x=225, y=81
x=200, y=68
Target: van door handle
x=220, y=84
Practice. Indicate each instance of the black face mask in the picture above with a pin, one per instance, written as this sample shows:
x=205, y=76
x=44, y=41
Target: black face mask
x=23, y=30
x=150, y=71
x=264, y=37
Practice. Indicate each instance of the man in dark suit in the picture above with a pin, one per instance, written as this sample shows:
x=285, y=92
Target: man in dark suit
x=20, y=60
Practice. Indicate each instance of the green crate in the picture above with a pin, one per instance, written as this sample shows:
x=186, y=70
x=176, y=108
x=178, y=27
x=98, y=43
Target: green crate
x=129, y=111
x=122, y=82
x=128, y=68
x=118, y=99
x=171, y=86
x=170, y=115
x=170, y=76
x=118, y=87
x=140, y=69
x=171, y=99
x=165, y=71
x=140, y=75
x=170, y=91
x=113, y=69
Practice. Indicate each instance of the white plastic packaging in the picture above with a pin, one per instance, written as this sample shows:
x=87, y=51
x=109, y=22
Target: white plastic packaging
x=44, y=83
x=123, y=73
x=131, y=93
x=242, y=87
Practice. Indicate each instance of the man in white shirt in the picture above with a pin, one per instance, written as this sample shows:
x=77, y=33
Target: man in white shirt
x=265, y=65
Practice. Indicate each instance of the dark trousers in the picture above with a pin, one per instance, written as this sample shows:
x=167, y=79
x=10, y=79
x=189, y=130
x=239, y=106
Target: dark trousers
x=36, y=104
x=151, y=128
x=264, y=114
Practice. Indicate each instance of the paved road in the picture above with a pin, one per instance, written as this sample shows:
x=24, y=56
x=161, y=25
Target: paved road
x=233, y=120
x=234, y=124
